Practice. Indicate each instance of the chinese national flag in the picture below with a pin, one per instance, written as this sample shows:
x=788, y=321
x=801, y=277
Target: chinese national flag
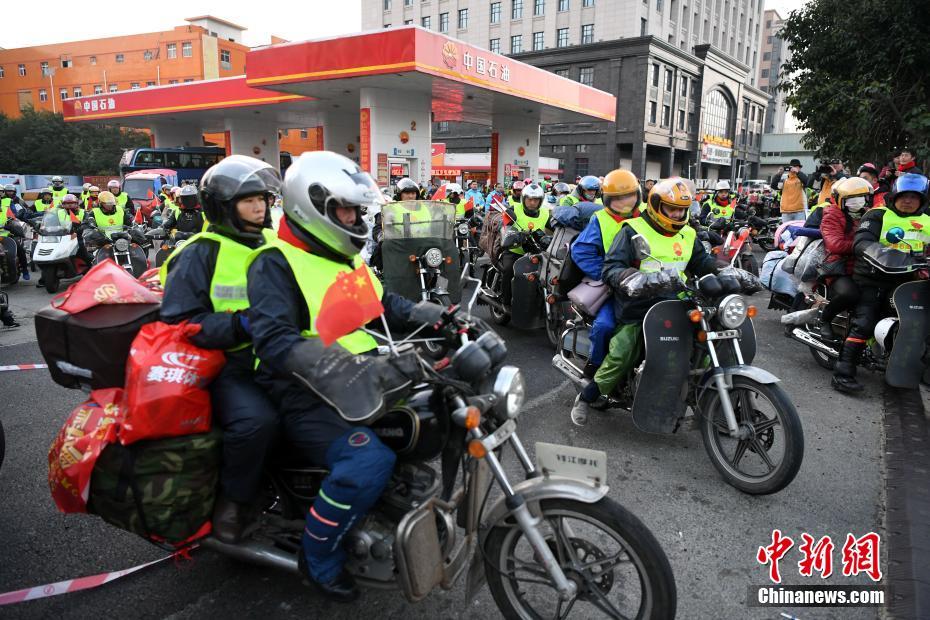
x=470, y=205
x=440, y=193
x=349, y=303
x=137, y=218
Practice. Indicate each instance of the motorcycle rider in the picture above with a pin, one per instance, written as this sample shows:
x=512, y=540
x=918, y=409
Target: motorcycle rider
x=189, y=217
x=675, y=245
x=122, y=198
x=560, y=190
x=44, y=202
x=587, y=190
x=621, y=191
x=454, y=196
x=407, y=191
x=8, y=213
x=58, y=189
x=93, y=197
x=720, y=205
x=516, y=191
x=904, y=209
x=107, y=216
x=14, y=203
x=648, y=184
x=525, y=219
x=319, y=388
x=85, y=192
x=851, y=199
x=205, y=283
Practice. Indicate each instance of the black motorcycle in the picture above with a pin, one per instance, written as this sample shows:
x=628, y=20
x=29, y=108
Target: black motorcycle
x=166, y=244
x=467, y=231
x=124, y=246
x=528, y=308
x=698, y=353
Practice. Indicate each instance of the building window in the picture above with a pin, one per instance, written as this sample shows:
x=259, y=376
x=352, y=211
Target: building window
x=653, y=106
x=120, y=58
x=425, y=22
x=495, y=46
x=304, y=134
x=690, y=121
x=655, y=74
x=561, y=37
x=581, y=148
x=516, y=11
x=93, y=60
x=769, y=40
x=408, y=2
x=22, y=70
x=681, y=120
x=408, y=22
x=134, y=86
x=495, y=12
x=186, y=80
x=43, y=66
x=767, y=56
x=442, y=127
x=77, y=91
x=224, y=59
x=659, y=6
x=516, y=44
x=172, y=50
x=62, y=93
x=586, y=76
x=668, y=79
x=558, y=148
x=765, y=73
x=43, y=94
x=538, y=42
x=149, y=84
x=587, y=33
x=581, y=166
x=387, y=5
x=643, y=26
x=716, y=116
x=114, y=88
x=463, y=18
x=187, y=49
x=666, y=115
x=2, y=73
x=562, y=73
x=684, y=86
x=98, y=89
x=66, y=62
x=563, y=5
x=539, y=7
x=587, y=3
x=443, y=22
x=172, y=81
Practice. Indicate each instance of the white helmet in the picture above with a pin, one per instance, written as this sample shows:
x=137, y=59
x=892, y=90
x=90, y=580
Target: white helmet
x=454, y=188
x=318, y=182
x=93, y=188
x=113, y=183
x=722, y=185
x=532, y=191
x=885, y=331
x=86, y=186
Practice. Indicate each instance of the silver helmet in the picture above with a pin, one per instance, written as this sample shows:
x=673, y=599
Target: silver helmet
x=315, y=185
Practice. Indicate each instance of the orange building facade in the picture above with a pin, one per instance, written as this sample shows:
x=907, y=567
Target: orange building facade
x=43, y=76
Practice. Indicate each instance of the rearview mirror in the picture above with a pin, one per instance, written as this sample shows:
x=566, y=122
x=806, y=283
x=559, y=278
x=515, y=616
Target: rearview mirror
x=895, y=235
x=643, y=249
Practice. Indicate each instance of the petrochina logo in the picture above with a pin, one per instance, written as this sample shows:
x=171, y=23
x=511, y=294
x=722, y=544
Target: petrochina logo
x=450, y=54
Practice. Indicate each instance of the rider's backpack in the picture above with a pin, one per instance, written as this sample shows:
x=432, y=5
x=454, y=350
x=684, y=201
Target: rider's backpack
x=161, y=489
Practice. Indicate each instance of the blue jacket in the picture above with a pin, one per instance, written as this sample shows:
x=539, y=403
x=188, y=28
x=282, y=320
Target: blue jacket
x=477, y=195
x=588, y=250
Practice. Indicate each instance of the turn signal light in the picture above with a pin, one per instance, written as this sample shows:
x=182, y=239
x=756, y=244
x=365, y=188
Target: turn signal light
x=554, y=281
x=477, y=449
x=695, y=316
x=550, y=299
x=531, y=277
x=702, y=336
x=752, y=311
x=448, y=260
x=715, y=250
x=535, y=260
x=413, y=258
x=472, y=418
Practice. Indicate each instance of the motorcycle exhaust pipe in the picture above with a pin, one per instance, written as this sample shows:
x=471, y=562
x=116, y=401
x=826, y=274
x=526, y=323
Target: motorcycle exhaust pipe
x=491, y=299
x=254, y=552
x=806, y=338
x=572, y=372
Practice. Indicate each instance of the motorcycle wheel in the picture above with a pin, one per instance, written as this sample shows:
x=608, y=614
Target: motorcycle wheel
x=436, y=350
x=50, y=278
x=555, y=324
x=616, y=562
x=762, y=476
x=823, y=360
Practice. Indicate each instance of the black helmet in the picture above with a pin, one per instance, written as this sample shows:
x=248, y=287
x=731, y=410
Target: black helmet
x=236, y=177
x=188, y=198
x=406, y=185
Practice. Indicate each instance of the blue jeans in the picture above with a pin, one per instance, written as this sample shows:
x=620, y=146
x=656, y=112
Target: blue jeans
x=797, y=216
x=603, y=328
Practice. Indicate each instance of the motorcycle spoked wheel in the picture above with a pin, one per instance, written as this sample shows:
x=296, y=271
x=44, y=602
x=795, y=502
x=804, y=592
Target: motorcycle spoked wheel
x=748, y=464
x=618, y=566
x=436, y=350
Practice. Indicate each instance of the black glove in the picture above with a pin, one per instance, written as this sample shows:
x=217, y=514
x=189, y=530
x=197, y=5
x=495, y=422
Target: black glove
x=425, y=312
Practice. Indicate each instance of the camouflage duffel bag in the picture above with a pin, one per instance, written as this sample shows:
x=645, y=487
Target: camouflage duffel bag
x=160, y=489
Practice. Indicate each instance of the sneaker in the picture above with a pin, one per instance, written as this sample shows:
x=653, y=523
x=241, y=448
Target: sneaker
x=26, y=276
x=579, y=412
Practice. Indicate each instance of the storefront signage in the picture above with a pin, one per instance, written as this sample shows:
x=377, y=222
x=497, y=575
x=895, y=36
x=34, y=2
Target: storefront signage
x=714, y=154
x=364, y=139
x=382, y=169
x=95, y=105
x=717, y=140
x=402, y=152
x=446, y=172
x=475, y=62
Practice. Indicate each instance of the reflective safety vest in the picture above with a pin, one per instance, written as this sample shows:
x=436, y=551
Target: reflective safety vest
x=393, y=215
x=511, y=202
x=568, y=201
x=4, y=218
x=109, y=223
x=609, y=228
x=58, y=195
x=64, y=217
x=672, y=252
x=121, y=200
x=721, y=211
x=916, y=229
x=83, y=197
x=526, y=223
x=315, y=275
x=40, y=206
x=817, y=207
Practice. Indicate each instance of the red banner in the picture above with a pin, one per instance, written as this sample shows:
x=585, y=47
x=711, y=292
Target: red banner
x=446, y=172
x=365, y=139
x=319, y=137
x=495, y=141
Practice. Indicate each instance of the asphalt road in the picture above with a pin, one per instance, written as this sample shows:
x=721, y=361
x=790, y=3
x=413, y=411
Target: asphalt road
x=709, y=531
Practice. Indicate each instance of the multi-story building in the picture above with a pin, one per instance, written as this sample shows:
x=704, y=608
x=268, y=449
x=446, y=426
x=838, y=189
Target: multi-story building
x=515, y=26
x=775, y=53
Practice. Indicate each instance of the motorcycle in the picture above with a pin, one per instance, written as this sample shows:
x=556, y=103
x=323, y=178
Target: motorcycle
x=897, y=345
x=56, y=254
x=737, y=247
x=558, y=309
x=528, y=308
x=166, y=244
x=124, y=246
x=553, y=541
x=698, y=353
x=763, y=232
x=466, y=239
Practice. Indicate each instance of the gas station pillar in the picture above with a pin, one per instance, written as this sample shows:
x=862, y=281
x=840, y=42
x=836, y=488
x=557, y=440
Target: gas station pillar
x=517, y=146
x=395, y=132
x=255, y=138
x=171, y=135
x=341, y=133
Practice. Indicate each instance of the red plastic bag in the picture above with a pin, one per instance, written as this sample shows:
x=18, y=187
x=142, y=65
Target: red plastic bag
x=72, y=455
x=166, y=379
x=106, y=283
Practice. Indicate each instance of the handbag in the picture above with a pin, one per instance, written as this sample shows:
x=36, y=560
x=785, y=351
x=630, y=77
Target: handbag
x=589, y=296
x=829, y=269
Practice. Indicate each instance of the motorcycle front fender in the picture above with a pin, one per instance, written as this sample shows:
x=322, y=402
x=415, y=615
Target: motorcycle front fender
x=755, y=373
x=533, y=490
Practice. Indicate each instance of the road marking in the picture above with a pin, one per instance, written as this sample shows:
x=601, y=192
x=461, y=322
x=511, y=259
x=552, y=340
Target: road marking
x=538, y=400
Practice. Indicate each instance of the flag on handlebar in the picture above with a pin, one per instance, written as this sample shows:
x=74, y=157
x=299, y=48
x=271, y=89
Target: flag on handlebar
x=349, y=303
x=440, y=193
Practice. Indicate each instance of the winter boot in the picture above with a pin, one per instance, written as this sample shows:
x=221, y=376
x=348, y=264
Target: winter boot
x=844, y=373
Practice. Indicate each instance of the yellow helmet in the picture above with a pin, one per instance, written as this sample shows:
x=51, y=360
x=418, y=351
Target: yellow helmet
x=106, y=198
x=620, y=183
x=672, y=193
x=852, y=194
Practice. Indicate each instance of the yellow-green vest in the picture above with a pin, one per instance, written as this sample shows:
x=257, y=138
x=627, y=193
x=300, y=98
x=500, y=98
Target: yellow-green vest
x=528, y=224
x=392, y=215
x=720, y=211
x=109, y=223
x=121, y=200
x=609, y=228
x=58, y=195
x=314, y=275
x=916, y=229
x=672, y=252
x=3, y=218
x=41, y=206
x=63, y=216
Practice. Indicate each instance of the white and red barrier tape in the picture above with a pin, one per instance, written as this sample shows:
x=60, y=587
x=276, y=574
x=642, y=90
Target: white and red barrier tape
x=23, y=367
x=76, y=585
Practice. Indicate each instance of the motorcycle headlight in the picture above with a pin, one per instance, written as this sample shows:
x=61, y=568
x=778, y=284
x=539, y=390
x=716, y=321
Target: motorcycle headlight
x=509, y=390
x=732, y=311
x=463, y=228
x=121, y=245
x=433, y=257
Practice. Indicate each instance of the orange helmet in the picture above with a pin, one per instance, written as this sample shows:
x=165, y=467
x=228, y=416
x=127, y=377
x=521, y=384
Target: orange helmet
x=619, y=183
x=671, y=193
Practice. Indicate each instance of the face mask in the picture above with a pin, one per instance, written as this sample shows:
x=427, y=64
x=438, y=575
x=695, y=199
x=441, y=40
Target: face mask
x=855, y=205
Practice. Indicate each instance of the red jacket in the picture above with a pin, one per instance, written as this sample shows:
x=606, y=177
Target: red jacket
x=838, y=230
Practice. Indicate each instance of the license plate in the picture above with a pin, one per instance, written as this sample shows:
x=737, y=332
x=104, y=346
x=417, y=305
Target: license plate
x=499, y=436
x=572, y=462
x=724, y=335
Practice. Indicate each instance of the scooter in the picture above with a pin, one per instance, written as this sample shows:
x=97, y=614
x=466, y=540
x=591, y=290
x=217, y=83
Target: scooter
x=698, y=356
x=56, y=253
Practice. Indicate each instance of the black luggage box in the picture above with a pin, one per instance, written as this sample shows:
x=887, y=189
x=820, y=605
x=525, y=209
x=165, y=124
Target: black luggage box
x=91, y=347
